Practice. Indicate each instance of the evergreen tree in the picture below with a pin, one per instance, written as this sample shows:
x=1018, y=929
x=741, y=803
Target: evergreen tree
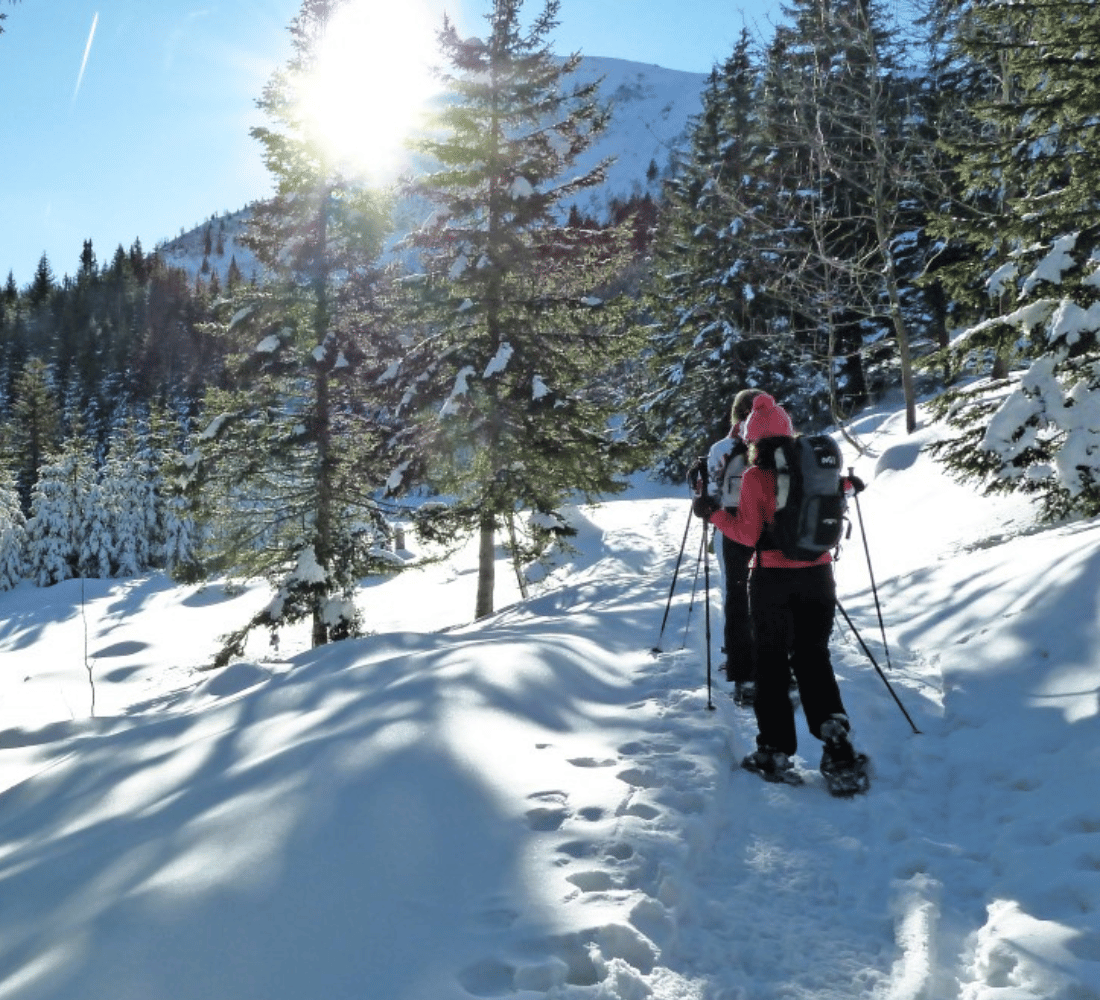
x=13, y=534
x=42, y=285
x=61, y=500
x=87, y=260
x=967, y=79
x=98, y=543
x=141, y=266
x=1037, y=161
x=707, y=292
x=233, y=276
x=128, y=482
x=35, y=426
x=180, y=537
x=290, y=454
x=514, y=333
x=1038, y=432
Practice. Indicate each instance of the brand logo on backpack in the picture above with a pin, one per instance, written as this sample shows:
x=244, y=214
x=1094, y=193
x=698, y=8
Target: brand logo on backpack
x=809, y=497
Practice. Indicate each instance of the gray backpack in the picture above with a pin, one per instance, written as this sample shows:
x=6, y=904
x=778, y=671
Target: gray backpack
x=809, y=497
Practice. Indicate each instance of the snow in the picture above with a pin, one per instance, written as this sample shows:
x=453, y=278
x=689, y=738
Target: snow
x=538, y=806
x=1002, y=280
x=458, y=268
x=1051, y=268
x=461, y=387
x=308, y=569
x=521, y=188
x=499, y=361
x=214, y=428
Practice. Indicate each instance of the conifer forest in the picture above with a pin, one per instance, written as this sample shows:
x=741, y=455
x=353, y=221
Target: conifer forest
x=874, y=199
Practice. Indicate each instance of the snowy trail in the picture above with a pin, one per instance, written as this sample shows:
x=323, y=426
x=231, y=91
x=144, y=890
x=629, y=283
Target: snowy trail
x=784, y=892
x=739, y=889
x=537, y=807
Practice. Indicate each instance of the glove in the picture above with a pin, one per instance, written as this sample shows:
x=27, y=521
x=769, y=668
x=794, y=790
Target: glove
x=703, y=506
x=856, y=484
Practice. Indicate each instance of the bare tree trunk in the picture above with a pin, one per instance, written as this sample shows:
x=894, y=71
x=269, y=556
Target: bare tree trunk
x=520, y=579
x=486, y=567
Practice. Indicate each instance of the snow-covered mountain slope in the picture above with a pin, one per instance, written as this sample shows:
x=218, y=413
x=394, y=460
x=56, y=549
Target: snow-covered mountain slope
x=536, y=806
x=652, y=108
x=221, y=233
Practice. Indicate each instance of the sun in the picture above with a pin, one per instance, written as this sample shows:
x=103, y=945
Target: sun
x=370, y=84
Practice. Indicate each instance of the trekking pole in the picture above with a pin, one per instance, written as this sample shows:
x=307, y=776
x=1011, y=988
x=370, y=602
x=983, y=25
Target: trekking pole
x=706, y=579
x=694, y=587
x=672, y=587
x=871, y=574
x=874, y=662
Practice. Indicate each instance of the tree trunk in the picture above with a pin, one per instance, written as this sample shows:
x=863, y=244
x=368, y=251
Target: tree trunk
x=516, y=565
x=486, y=567
x=322, y=532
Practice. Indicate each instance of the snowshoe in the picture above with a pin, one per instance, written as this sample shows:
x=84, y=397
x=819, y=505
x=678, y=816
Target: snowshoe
x=845, y=772
x=845, y=780
x=773, y=766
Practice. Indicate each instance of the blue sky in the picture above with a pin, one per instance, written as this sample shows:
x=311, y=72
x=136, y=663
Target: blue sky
x=128, y=119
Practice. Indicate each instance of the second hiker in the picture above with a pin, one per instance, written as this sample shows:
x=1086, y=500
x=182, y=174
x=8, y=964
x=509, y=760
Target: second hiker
x=726, y=464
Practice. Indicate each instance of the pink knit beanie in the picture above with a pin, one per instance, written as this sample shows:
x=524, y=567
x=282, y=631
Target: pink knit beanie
x=767, y=419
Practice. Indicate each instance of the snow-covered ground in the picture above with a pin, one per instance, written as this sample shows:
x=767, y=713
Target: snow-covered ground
x=537, y=806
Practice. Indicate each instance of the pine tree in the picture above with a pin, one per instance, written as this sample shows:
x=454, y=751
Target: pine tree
x=36, y=424
x=968, y=79
x=42, y=285
x=289, y=454
x=707, y=294
x=1037, y=161
x=57, y=528
x=87, y=260
x=128, y=482
x=97, y=543
x=181, y=541
x=515, y=333
x=175, y=536
x=233, y=276
x=13, y=534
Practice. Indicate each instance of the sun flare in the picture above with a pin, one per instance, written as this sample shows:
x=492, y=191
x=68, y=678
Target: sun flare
x=371, y=83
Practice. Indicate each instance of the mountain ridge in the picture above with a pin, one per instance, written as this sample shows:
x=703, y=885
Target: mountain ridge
x=652, y=108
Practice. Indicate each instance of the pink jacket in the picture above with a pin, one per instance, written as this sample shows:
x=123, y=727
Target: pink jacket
x=756, y=511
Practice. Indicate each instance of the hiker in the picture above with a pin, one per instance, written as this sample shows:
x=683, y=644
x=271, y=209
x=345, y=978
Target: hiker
x=726, y=463
x=792, y=604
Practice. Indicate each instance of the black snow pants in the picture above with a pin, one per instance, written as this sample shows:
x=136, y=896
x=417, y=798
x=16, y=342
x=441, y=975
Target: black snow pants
x=792, y=615
x=737, y=627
